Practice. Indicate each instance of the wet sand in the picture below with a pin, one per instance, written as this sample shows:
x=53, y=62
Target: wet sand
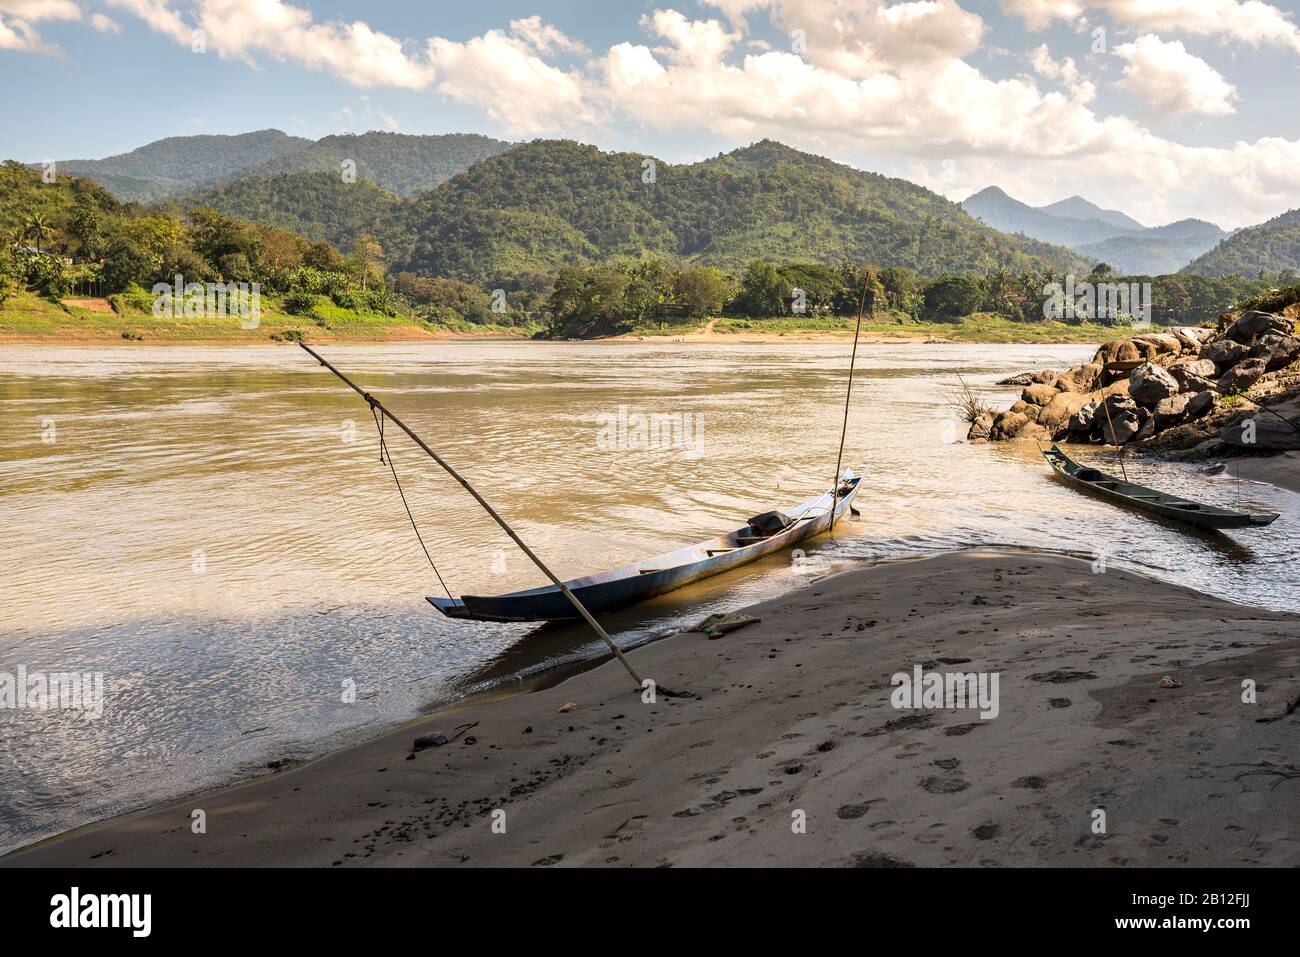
x=791, y=719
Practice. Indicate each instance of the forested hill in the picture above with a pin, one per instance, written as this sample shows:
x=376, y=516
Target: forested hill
x=169, y=166
x=552, y=203
x=318, y=205
x=402, y=163
x=1273, y=246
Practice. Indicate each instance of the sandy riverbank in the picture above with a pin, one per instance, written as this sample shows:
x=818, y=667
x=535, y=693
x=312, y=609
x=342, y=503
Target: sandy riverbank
x=794, y=714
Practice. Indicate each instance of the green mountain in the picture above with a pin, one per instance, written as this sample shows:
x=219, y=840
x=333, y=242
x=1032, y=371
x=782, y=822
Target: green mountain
x=170, y=166
x=318, y=205
x=23, y=195
x=398, y=162
x=1273, y=246
x=552, y=203
x=1105, y=235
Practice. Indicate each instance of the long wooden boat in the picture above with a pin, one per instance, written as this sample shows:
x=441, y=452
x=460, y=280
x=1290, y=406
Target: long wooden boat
x=1148, y=499
x=658, y=575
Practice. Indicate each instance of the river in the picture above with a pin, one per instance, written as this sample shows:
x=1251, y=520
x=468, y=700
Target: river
x=213, y=531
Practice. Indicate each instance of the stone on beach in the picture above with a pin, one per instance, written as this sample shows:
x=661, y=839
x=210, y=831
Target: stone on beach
x=1150, y=384
x=1250, y=325
x=1243, y=375
x=1224, y=352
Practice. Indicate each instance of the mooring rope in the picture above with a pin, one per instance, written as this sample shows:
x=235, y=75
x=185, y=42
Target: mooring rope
x=848, y=394
x=387, y=457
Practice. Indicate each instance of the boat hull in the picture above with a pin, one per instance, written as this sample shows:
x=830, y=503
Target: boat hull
x=650, y=578
x=1149, y=500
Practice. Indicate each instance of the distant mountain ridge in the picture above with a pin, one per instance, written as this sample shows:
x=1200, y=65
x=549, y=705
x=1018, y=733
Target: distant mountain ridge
x=1105, y=235
x=552, y=203
x=176, y=164
x=1273, y=246
x=401, y=163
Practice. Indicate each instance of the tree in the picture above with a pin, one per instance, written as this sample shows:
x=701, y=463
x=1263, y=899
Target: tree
x=365, y=250
x=37, y=228
x=762, y=291
x=701, y=291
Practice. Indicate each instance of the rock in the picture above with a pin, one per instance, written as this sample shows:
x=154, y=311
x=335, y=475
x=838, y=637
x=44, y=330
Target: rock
x=567, y=707
x=1249, y=325
x=1242, y=376
x=1194, y=366
x=1146, y=430
x=1081, y=422
x=1083, y=379
x=1276, y=351
x=1190, y=338
x=980, y=428
x=1262, y=431
x=1171, y=410
x=1187, y=382
x=1224, y=352
x=1168, y=682
x=1152, y=345
x=1039, y=394
x=1117, y=350
x=430, y=741
x=1120, y=428
x=1149, y=384
x=1023, y=378
x=1200, y=404
x=1057, y=413
x=1008, y=425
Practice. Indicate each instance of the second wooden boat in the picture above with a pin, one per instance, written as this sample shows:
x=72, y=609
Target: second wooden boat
x=1148, y=499
x=658, y=575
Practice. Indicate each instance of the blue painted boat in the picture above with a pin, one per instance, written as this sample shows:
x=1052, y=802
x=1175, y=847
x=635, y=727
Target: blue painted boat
x=658, y=575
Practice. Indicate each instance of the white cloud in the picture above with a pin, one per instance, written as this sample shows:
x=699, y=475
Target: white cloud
x=1046, y=65
x=502, y=76
x=18, y=19
x=1171, y=81
x=159, y=16
x=545, y=37
x=1246, y=21
x=105, y=24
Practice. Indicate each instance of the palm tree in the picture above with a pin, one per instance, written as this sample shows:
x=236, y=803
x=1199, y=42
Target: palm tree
x=37, y=227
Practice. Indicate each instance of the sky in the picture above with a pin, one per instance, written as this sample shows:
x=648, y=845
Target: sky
x=1162, y=109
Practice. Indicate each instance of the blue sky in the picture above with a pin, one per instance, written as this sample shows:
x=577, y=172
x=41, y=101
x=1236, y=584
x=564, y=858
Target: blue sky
x=1185, y=107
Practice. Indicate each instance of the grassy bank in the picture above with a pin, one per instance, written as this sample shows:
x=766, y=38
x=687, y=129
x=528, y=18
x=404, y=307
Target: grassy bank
x=980, y=327
x=26, y=317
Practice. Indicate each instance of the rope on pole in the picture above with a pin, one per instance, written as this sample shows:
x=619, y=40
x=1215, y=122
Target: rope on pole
x=848, y=394
x=564, y=589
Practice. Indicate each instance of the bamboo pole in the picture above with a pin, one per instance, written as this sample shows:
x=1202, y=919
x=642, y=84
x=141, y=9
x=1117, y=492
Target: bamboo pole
x=564, y=589
x=848, y=394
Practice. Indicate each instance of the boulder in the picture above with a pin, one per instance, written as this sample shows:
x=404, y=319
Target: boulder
x=1008, y=425
x=1056, y=415
x=1201, y=367
x=1082, y=422
x=1149, y=384
x=980, y=428
x=1224, y=352
x=1039, y=394
x=1190, y=338
x=1170, y=411
x=1152, y=345
x=1200, y=404
x=1120, y=428
x=1250, y=325
x=1022, y=378
x=1276, y=351
x=1242, y=376
x=1083, y=379
x=1262, y=432
x=1117, y=350
x=1188, y=382
x=1027, y=409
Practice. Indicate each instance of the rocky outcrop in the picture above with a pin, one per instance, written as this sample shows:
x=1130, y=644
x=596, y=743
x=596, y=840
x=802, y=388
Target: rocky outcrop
x=1134, y=389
